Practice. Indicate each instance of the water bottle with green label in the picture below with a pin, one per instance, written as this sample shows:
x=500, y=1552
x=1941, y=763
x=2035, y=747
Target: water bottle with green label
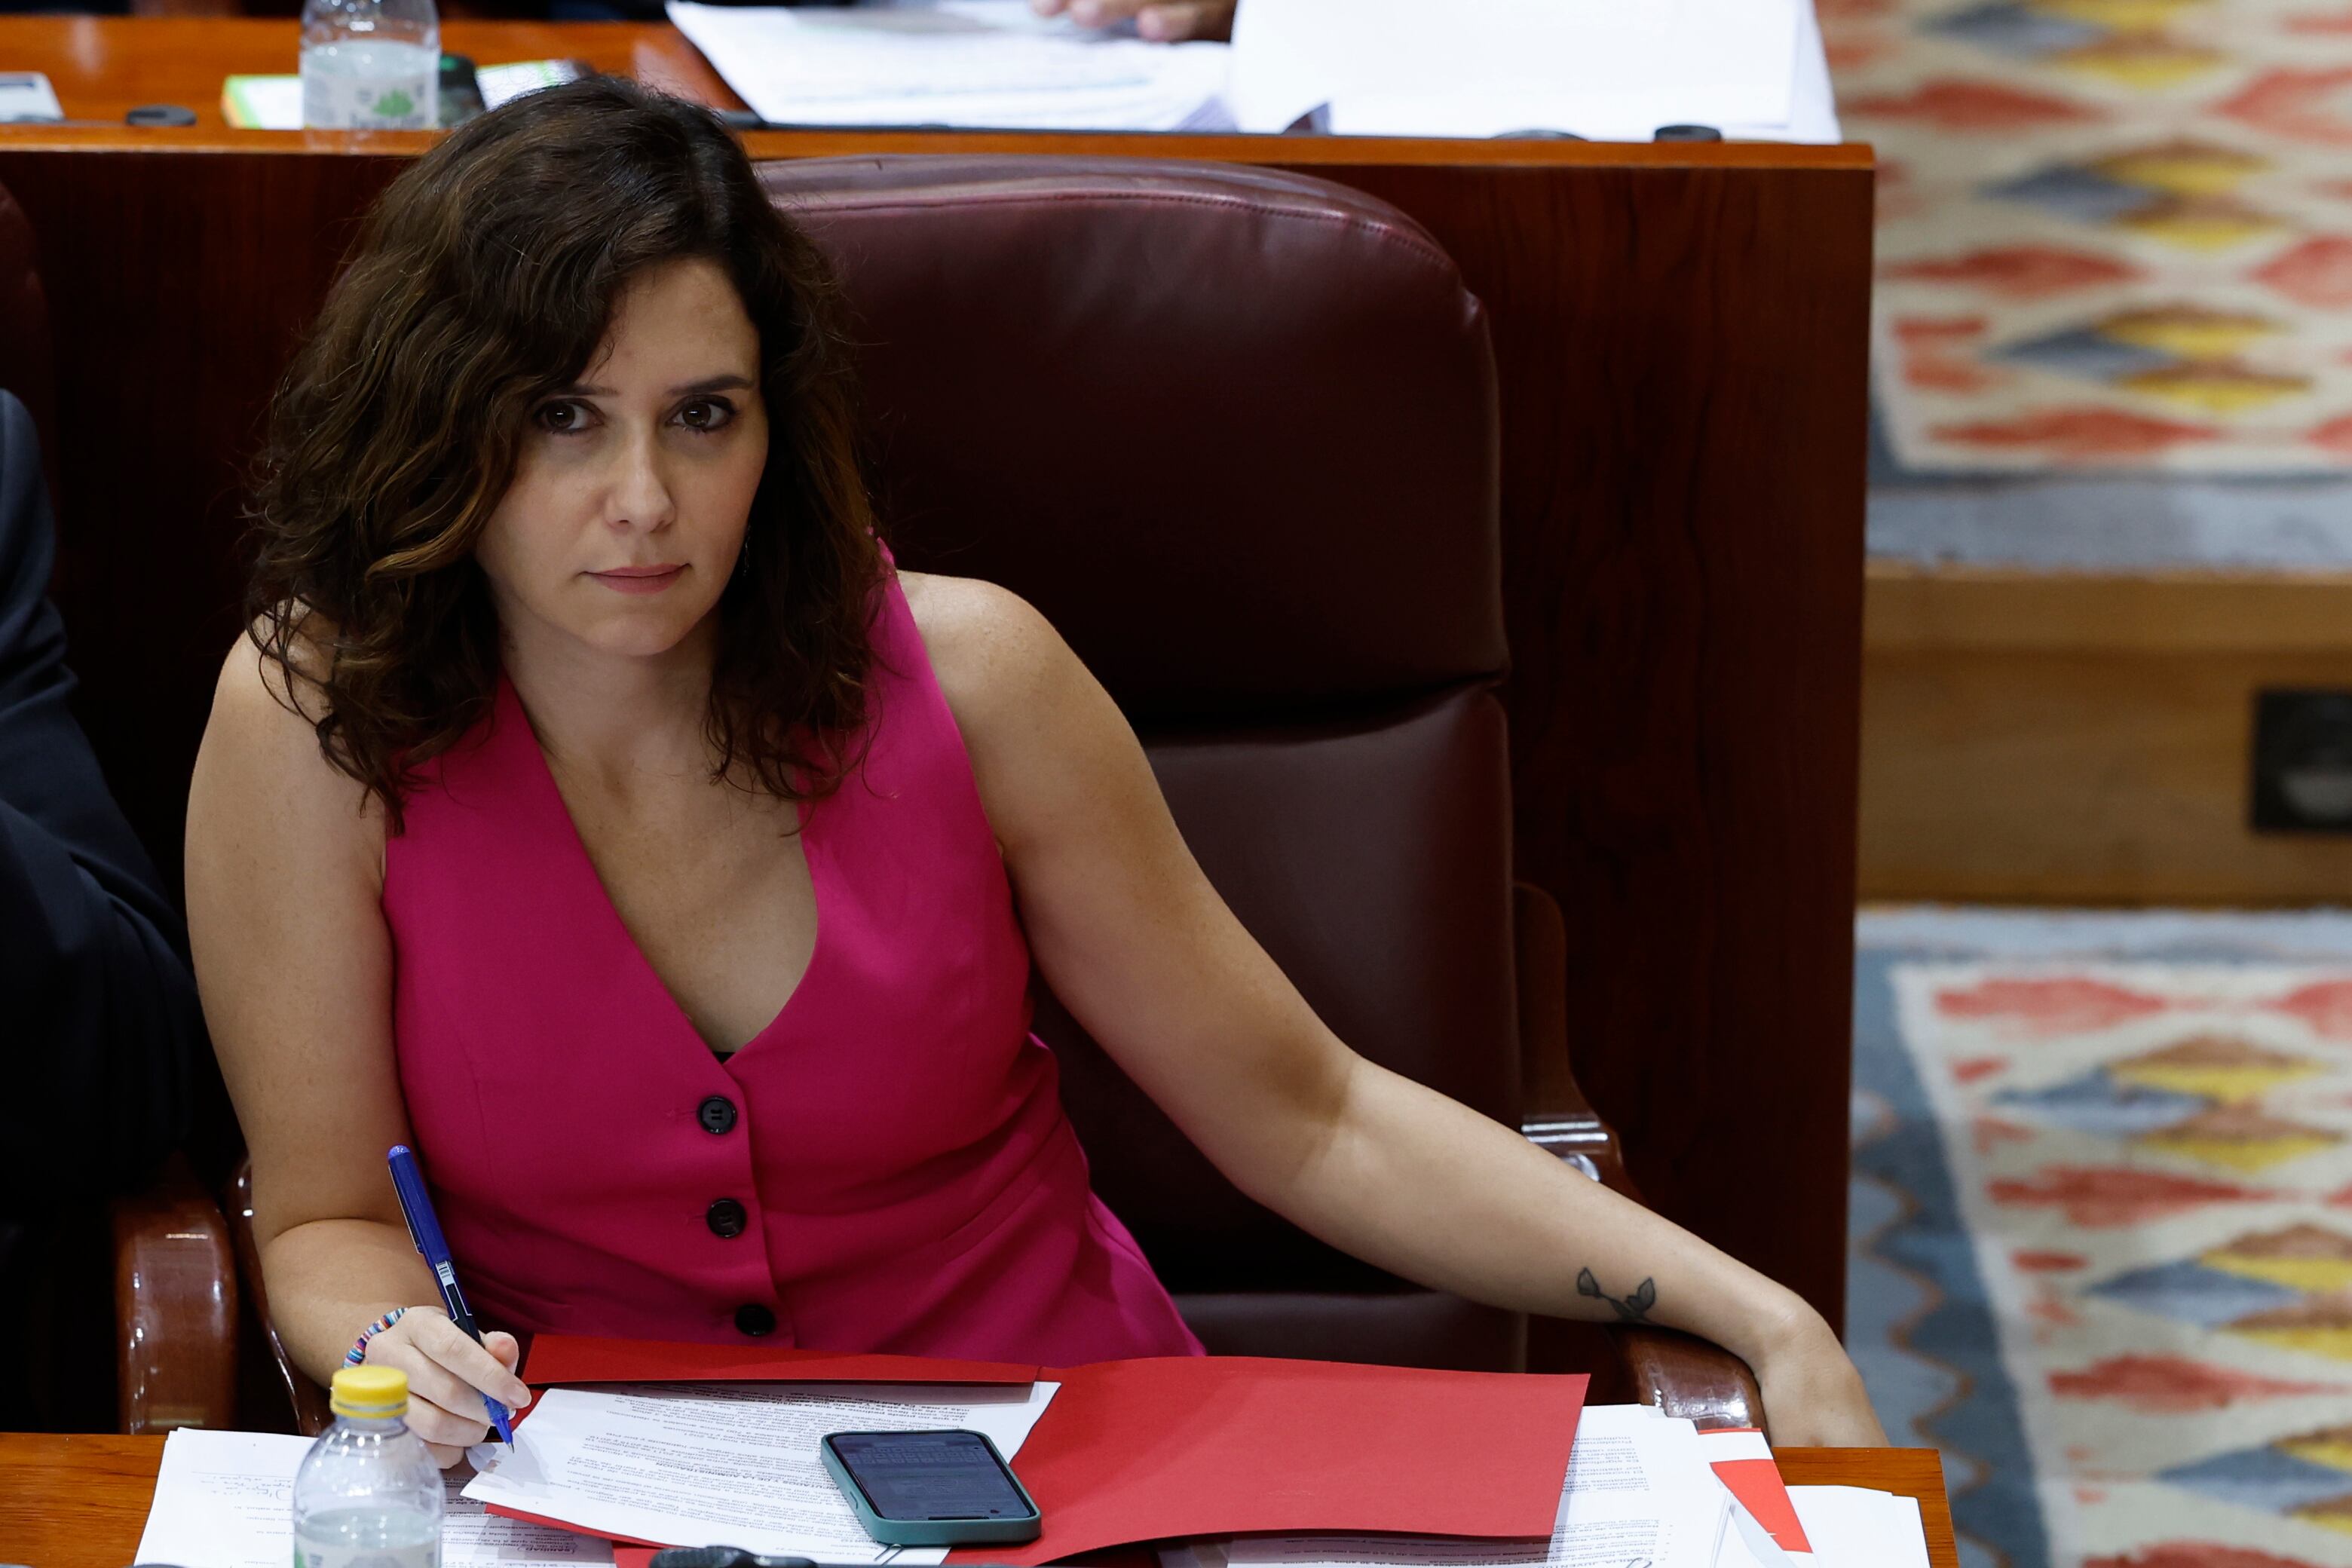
x=371, y=64
x=368, y=1494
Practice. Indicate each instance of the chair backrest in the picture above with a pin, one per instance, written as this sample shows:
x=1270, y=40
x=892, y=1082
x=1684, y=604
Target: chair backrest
x=1235, y=434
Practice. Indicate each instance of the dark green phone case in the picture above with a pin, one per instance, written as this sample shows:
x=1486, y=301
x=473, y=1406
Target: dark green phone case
x=931, y=1531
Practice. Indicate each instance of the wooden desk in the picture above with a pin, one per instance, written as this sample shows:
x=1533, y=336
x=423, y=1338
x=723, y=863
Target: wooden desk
x=1680, y=331
x=81, y=1501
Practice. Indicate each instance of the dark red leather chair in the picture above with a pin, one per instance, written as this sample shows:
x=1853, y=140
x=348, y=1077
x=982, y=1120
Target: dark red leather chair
x=1235, y=434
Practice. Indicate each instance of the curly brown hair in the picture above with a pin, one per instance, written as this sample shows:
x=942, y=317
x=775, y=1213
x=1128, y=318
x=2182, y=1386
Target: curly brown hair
x=483, y=281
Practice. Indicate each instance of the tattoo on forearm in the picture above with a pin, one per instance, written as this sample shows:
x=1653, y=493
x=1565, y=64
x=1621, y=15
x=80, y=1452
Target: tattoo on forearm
x=1634, y=1309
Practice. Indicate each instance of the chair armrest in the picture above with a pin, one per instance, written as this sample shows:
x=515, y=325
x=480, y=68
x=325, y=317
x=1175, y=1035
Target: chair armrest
x=1682, y=1375
x=1689, y=1377
x=311, y=1415
x=175, y=1306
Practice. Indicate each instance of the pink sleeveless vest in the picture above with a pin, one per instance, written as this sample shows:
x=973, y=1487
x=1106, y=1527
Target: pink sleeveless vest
x=884, y=1167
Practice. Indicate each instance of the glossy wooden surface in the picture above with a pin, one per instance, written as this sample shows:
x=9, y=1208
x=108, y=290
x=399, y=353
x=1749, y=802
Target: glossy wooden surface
x=175, y=1306
x=1680, y=335
x=103, y=66
x=81, y=1501
x=2082, y=737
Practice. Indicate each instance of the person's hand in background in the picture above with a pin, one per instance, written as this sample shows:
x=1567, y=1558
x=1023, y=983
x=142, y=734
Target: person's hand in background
x=1161, y=21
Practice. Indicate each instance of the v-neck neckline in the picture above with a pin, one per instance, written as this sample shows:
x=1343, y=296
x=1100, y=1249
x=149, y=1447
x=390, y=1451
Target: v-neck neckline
x=510, y=706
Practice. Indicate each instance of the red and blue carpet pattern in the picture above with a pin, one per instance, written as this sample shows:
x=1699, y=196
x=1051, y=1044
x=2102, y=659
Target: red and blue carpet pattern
x=2112, y=234
x=2103, y=1230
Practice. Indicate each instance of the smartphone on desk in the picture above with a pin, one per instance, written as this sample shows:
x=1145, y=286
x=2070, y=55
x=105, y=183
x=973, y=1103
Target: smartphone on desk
x=930, y=1489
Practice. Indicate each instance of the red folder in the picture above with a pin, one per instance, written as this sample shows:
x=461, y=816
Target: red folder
x=1192, y=1446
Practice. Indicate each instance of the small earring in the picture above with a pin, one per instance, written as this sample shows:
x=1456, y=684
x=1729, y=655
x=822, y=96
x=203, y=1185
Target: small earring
x=743, y=562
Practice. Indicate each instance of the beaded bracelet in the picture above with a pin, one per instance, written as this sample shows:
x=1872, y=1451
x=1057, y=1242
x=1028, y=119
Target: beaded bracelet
x=357, y=1355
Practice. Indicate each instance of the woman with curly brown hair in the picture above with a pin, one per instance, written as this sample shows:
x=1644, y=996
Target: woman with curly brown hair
x=596, y=807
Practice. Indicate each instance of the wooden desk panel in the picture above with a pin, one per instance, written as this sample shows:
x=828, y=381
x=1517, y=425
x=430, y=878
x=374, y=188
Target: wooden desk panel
x=1680, y=331
x=81, y=1501
x=102, y=67
x=75, y=1501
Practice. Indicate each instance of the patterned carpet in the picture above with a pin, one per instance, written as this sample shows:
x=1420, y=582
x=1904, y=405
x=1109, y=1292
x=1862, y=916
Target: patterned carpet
x=2114, y=235
x=2103, y=1230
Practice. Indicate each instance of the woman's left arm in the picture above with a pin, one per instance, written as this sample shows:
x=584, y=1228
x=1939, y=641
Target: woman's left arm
x=1139, y=946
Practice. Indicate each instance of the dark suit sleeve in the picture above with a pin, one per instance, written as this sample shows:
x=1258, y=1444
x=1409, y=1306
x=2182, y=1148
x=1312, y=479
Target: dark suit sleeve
x=101, y=1039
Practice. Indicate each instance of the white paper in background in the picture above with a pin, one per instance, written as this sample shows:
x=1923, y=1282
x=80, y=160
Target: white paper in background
x=1852, y=1527
x=275, y=102
x=225, y=1499
x=1638, y=1489
x=1601, y=68
x=707, y=1464
x=1812, y=103
x=501, y=84
x=962, y=63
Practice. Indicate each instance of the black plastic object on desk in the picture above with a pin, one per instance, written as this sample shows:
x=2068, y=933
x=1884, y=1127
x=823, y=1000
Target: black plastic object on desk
x=461, y=95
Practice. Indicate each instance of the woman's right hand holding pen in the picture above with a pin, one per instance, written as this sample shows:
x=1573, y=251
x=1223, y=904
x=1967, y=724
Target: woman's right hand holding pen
x=449, y=1374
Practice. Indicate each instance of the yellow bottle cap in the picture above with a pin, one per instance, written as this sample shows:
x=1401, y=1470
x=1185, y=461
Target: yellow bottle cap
x=369, y=1393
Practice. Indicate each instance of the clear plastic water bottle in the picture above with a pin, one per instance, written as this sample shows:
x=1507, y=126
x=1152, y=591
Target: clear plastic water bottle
x=371, y=64
x=368, y=1494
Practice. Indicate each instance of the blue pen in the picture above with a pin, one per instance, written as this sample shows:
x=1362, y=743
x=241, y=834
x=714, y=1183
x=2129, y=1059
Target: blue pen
x=425, y=1229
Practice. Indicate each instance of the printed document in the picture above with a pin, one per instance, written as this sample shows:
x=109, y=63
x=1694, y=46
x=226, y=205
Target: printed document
x=732, y=1464
x=226, y=1500
x=1638, y=1489
x=984, y=64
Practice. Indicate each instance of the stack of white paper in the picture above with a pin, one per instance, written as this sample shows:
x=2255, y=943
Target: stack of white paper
x=1863, y=1528
x=1602, y=69
x=1605, y=69
x=729, y=1464
x=970, y=63
x=1641, y=1488
x=225, y=1499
